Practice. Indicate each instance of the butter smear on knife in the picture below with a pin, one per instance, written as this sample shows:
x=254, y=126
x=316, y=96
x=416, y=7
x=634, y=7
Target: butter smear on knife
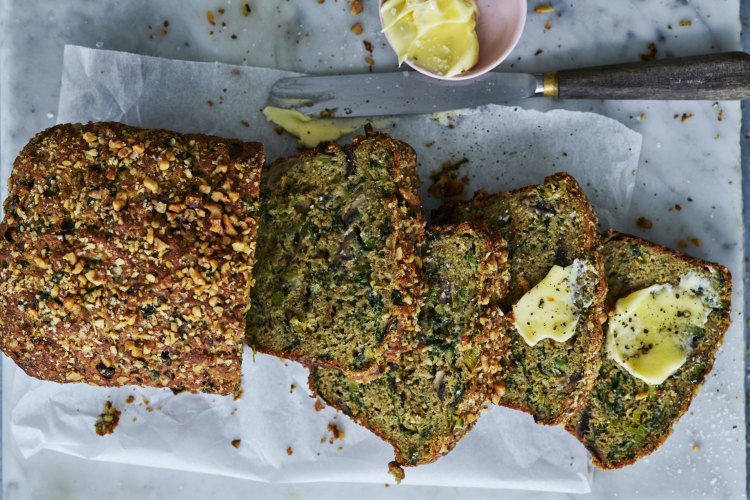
x=436, y=35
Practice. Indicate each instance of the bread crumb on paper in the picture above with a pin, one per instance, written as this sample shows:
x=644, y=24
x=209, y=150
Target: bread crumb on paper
x=395, y=470
x=107, y=421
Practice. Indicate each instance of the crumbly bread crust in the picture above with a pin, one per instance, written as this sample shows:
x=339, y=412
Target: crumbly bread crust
x=428, y=401
x=126, y=257
x=548, y=224
x=340, y=280
x=625, y=418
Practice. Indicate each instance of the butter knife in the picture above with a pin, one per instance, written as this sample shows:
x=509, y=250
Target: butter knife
x=715, y=77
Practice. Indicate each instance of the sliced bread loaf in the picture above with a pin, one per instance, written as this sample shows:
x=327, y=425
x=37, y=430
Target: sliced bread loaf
x=551, y=224
x=339, y=283
x=625, y=417
x=427, y=402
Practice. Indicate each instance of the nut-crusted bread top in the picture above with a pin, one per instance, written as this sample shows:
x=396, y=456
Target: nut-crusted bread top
x=339, y=281
x=126, y=257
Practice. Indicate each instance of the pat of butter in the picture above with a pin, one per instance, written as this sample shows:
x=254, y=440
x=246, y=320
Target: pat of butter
x=550, y=309
x=650, y=331
x=437, y=35
x=310, y=131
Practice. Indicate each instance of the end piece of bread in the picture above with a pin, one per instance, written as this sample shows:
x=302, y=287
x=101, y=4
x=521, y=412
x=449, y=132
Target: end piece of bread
x=428, y=401
x=339, y=284
x=126, y=257
x=548, y=224
x=626, y=418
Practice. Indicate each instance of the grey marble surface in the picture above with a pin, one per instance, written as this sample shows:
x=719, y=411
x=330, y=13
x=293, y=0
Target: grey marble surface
x=745, y=145
x=692, y=159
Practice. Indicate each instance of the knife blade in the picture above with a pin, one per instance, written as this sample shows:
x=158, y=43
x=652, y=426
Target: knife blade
x=404, y=92
x=722, y=76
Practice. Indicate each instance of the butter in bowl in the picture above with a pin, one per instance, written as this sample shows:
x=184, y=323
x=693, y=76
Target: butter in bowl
x=452, y=39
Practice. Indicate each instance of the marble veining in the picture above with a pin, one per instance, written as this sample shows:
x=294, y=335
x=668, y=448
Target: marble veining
x=689, y=182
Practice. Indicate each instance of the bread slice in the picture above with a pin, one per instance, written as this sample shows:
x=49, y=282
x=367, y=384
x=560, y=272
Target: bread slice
x=339, y=283
x=126, y=257
x=428, y=401
x=626, y=418
x=545, y=225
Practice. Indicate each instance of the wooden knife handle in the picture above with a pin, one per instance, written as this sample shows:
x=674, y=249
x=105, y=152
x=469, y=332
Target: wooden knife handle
x=708, y=77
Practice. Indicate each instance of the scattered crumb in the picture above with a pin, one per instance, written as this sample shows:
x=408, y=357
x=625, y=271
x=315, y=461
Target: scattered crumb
x=107, y=421
x=368, y=46
x=319, y=405
x=289, y=451
x=130, y=399
x=395, y=470
x=336, y=433
x=236, y=443
x=429, y=144
x=245, y=123
x=220, y=11
x=246, y=10
x=234, y=411
x=651, y=56
x=292, y=388
x=370, y=61
x=210, y=17
x=695, y=241
x=538, y=51
x=686, y=116
x=548, y=25
x=685, y=23
x=134, y=419
x=682, y=244
x=544, y=8
x=145, y=400
x=323, y=439
x=387, y=485
x=237, y=394
x=644, y=223
x=339, y=448
x=149, y=409
x=357, y=29
x=696, y=447
x=642, y=117
x=719, y=112
x=210, y=103
x=445, y=182
x=356, y=8
x=278, y=130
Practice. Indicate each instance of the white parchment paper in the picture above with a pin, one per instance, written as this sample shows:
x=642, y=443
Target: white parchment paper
x=282, y=437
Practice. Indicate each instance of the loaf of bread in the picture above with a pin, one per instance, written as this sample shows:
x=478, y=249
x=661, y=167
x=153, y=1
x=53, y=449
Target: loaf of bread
x=626, y=418
x=339, y=281
x=545, y=225
x=431, y=398
x=126, y=257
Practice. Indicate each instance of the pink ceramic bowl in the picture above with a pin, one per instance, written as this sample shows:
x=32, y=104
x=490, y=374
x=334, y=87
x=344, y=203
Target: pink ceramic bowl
x=499, y=27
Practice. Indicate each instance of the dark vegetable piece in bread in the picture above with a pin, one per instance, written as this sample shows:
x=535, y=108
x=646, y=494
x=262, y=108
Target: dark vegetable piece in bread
x=126, y=257
x=428, y=401
x=545, y=225
x=339, y=279
x=625, y=418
